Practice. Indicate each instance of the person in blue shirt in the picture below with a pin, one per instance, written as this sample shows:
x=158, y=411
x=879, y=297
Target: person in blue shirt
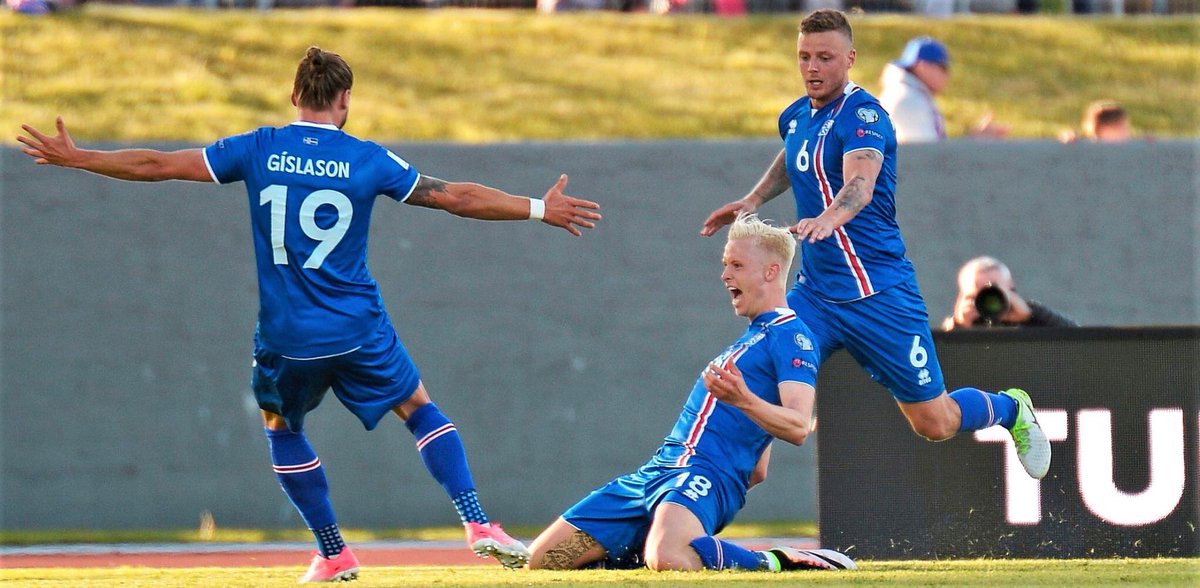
x=856, y=289
x=322, y=323
x=760, y=388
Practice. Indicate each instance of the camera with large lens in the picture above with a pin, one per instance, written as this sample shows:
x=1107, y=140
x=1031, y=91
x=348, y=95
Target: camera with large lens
x=992, y=303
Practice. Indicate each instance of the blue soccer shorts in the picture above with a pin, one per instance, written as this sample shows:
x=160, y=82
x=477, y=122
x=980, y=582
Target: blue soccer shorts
x=369, y=380
x=887, y=333
x=618, y=515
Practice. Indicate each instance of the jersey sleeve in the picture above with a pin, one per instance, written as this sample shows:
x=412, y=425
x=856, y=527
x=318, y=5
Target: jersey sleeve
x=399, y=176
x=866, y=126
x=226, y=158
x=795, y=357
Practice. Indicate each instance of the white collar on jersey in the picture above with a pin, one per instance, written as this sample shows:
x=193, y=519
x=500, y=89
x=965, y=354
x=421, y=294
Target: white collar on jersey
x=849, y=89
x=304, y=123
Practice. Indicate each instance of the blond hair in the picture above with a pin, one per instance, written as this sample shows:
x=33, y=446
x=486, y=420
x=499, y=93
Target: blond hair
x=774, y=240
x=320, y=78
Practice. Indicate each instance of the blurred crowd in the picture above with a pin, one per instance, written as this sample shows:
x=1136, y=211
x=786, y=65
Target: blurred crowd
x=933, y=8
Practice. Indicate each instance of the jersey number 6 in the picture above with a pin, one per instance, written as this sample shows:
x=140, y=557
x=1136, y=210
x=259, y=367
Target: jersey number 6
x=327, y=238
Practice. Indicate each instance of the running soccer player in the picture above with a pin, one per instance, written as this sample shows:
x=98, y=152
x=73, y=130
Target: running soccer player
x=321, y=322
x=856, y=288
x=758, y=389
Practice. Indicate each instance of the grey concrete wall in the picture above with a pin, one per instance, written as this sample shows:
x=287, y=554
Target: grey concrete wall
x=127, y=311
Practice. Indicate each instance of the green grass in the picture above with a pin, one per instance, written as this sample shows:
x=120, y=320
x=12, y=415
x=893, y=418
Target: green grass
x=130, y=74
x=1126, y=572
x=12, y=537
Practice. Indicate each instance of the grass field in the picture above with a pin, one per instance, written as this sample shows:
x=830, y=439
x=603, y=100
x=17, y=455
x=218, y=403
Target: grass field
x=130, y=74
x=1153, y=572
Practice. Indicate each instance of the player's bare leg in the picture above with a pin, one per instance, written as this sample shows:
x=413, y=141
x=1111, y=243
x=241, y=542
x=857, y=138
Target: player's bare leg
x=563, y=547
x=936, y=420
x=667, y=544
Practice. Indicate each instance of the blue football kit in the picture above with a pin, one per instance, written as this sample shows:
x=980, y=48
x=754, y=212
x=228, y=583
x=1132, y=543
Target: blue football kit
x=321, y=322
x=705, y=463
x=856, y=289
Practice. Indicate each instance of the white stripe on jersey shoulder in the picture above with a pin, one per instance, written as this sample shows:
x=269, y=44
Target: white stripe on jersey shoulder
x=208, y=165
x=413, y=188
x=851, y=88
x=862, y=149
x=397, y=158
x=327, y=126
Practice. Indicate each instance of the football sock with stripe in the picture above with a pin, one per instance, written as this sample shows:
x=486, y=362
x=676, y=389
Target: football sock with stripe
x=446, y=459
x=981, y=410
x=716, y=554
x=302, y=478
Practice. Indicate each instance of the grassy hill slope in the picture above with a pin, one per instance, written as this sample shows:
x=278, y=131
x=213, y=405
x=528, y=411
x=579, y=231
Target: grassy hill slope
x=119, y=73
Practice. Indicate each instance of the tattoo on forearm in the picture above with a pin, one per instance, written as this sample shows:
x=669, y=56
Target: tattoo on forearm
x=564, y=555
x=852, y=195
x=427, y=191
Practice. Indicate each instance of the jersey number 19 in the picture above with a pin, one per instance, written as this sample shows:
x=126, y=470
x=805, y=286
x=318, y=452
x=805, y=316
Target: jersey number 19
x=327, y=238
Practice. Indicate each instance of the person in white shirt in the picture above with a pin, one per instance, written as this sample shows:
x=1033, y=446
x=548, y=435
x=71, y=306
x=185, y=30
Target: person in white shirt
x=910, y=84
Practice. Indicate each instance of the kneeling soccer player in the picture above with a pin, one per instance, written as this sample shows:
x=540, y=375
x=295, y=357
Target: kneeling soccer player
x=759, y=388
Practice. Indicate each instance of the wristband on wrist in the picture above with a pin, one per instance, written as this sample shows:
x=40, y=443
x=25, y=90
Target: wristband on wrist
x=537, y=209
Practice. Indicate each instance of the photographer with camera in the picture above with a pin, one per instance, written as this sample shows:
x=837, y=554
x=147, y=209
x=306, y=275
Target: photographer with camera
x=987, y=297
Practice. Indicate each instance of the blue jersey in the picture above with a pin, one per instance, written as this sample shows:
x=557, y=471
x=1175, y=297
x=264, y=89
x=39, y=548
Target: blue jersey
x=311, y=190
x=865, y=255
x=776, y=348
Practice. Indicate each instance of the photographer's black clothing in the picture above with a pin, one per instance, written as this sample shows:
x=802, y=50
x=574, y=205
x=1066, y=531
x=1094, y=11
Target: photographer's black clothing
x=1040, y=316
x=1044, y=316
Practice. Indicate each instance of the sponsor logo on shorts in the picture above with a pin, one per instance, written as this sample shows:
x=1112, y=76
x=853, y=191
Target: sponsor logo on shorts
x=923, y=377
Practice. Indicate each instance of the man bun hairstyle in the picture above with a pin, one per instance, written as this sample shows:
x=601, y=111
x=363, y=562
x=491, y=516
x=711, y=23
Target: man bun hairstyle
x=320, y=78
x=825, y=20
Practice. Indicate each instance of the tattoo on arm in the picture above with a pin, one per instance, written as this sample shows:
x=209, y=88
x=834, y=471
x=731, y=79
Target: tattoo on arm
x=855, y=194
x=773, y=183
x=564, y=555
x=851, y=197
x=427, y=192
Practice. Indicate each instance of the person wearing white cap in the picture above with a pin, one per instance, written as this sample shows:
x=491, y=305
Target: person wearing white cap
x=909, y=86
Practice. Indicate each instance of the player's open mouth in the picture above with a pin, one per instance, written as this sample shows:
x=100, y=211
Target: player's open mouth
x=735, y=293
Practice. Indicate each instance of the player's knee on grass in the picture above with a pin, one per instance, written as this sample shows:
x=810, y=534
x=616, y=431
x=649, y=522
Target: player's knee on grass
x=576, y=551
x=662, y=557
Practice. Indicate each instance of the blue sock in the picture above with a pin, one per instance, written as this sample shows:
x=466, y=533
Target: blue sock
x=723, y=555
x=442, y=451
x=981, y=410
x=303, y=480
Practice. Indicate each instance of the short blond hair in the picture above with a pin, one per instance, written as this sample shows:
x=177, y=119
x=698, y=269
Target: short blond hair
x=775, y=240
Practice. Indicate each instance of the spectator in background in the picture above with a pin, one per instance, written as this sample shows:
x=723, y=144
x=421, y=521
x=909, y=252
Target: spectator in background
x=41, y=6
x=909, y=85
x=1106, y=121
x=987, y=296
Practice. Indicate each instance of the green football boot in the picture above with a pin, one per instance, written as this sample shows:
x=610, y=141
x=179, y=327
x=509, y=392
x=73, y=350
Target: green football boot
x=1033, y=448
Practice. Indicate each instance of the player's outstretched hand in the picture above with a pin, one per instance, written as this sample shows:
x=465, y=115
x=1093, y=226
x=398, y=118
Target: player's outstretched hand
x=724, y=216
x=566, y=212
x=726, y=384
x=813, y=229
x=47, y=150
